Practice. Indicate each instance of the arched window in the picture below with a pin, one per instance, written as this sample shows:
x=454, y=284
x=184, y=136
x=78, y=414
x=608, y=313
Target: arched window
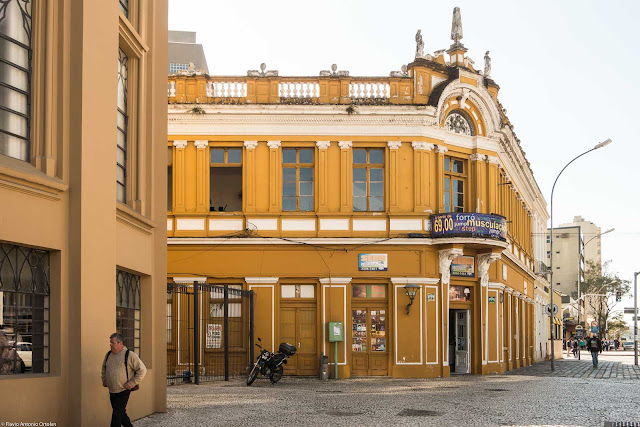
x=459, y=123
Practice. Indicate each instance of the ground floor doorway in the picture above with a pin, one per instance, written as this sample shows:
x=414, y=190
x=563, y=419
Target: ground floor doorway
x=459, y=341
x=298, y=327
x=369, y=352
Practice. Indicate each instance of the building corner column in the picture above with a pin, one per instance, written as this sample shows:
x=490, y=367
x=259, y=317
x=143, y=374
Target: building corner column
x=446, y=256
x=346, y=176
x=484, y=262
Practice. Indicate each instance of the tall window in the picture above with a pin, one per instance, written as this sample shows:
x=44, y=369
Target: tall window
x=297, y=179
x=368, y=179
x=128, y=309
x=24, y=310
x=15, y=78
x=170, y=180
x=121, y=161
x=124, y=7
x=454, y=183
x=225, y=180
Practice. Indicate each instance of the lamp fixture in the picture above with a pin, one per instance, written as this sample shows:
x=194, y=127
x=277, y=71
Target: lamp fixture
x=411, y=289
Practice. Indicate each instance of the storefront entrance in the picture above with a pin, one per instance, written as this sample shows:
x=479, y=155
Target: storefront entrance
x=459, y=341
x=298, y=327
x=369, y=341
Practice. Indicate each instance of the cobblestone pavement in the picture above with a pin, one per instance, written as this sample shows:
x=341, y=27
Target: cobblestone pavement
x=608, y=367
x=527, y=397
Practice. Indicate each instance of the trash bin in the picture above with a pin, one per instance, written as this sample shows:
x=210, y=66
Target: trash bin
x=323, y=372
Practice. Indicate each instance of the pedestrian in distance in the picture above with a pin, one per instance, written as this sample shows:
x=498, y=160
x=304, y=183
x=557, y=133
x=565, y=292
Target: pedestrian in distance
x=122, y=372
x=569, y=346
x=575, y=348
x=595, y=346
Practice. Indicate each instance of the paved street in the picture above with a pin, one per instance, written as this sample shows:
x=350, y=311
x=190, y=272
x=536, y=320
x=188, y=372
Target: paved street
x=529, y=396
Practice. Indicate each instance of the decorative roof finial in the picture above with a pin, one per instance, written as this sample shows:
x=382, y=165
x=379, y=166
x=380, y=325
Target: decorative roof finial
x=419, y=45
x=456, y=27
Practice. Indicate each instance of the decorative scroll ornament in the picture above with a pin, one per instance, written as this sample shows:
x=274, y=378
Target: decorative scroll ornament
x=484, y=261
x=458, y=123
x=446, y=257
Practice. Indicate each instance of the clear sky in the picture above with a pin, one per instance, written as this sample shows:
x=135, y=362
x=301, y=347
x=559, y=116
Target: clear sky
x=568, y=76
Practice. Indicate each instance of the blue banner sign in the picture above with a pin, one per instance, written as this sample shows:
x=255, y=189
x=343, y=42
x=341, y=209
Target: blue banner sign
x=469, y=225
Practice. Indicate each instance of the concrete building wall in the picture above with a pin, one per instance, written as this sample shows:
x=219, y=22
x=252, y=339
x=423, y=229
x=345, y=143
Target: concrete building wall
x=62, y=199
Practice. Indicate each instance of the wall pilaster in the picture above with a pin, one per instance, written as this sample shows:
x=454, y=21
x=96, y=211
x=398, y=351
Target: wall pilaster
x=346, y=176
x=179, y=173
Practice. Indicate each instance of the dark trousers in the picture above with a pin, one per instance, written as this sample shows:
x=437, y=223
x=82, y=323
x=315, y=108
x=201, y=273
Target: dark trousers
x=119, y=416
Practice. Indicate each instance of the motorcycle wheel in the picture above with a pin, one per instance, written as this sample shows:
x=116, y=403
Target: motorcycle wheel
x=276, y=375
x=253, y=375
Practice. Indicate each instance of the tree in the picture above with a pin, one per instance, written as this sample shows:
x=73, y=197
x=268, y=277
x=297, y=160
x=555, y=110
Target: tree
x=617, y=326
x=599, y=289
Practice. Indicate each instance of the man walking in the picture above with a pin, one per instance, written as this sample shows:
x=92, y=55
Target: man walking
x=122, y=371
x=595, y=347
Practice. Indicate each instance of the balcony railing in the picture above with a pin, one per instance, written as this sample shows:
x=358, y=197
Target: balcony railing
x=331, y=89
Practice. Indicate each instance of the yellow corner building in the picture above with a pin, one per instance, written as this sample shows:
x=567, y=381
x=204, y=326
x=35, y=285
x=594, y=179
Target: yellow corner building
x=401, y=206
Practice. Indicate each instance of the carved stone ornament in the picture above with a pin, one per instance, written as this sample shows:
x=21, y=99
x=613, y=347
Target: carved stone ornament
x=487, y=65
x=394, y=145
x=458, y=123
x=446, y=257
x=419, y=45
x=334, y=72
x=201, y=144
x=464, y=97
x=484, y=261
x=263, y=72
x=274, y=144
x=250, y=145
x=441, y=149
x=345, y=145
x=477, y=157
x=456, y=27
x=402, y=73
x=421, y=145
x=493, y=160
x=180, y=144
x=323, y=145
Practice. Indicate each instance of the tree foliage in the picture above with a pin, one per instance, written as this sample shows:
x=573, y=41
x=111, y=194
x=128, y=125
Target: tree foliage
x=601, y=281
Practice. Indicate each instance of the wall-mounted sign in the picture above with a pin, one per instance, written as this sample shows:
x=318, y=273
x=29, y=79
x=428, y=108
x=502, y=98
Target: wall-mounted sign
x=372, y=262
x=469, y=225
x=214, y=335
x=492, y=300
x=431, y=297
x=463, y=266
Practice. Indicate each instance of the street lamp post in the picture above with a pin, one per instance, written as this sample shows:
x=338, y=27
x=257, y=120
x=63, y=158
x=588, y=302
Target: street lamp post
x=600, y=145
x=580, y=276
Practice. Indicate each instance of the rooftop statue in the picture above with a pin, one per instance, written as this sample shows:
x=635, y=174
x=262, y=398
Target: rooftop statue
x=487, y=65
x=456, y=27
x=419, y=45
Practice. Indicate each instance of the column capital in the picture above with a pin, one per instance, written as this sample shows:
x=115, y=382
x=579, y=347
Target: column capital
x=250, y=145
x=446, y=257
x=441, y=149
x=180, y=144
x=484, y=261
x=421, y=145
x=394, y=145
x=202, y=143
x=345, y=145
x=477, y=157
x=323, y=145
x=274, y=144
x=493, y=160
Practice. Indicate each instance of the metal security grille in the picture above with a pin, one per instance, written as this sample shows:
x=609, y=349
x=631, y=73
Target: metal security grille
x=128, y=309
x=15, y=78
x=123, y=119
x=209, y=332
x=24, y=310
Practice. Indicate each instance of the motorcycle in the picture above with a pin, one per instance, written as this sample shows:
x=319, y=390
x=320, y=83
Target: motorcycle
x=271, y=364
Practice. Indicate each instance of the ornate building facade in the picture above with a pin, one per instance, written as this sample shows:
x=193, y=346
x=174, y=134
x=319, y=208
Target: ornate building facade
x=401, y=206
x=82, y=192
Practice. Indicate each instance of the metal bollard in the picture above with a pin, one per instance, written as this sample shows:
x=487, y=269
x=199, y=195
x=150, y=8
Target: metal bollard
x=323, y=372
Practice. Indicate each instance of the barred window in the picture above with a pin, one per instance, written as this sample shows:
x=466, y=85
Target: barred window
x=128, y=309
x=24, y=310
x=121, y=161
x=15, y=78
x=174, y=67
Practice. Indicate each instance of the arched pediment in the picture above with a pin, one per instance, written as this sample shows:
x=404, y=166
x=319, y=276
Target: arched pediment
x=476, y=97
